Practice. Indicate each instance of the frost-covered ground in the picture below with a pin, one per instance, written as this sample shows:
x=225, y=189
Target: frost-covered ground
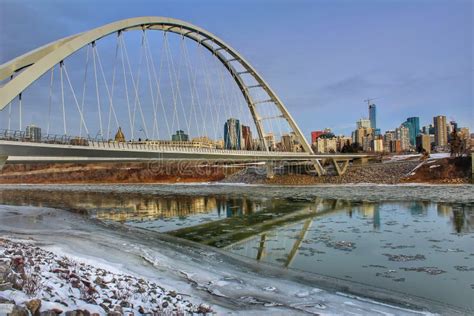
x=40, y=278
x=228, y=283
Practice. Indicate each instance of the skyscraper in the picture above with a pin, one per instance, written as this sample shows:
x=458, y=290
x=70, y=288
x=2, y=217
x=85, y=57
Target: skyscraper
x=403, y=135
x=33, y=133
x=373, y=116
x=363, y=123
x=232, y=134
x=441, y=133
x=246, y=138
x=415, y=128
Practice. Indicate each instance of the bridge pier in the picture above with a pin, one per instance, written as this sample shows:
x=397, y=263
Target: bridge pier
x=319, y=168
x=361, y=161
x=270, y=165
x=340, y=169
x=3, y=160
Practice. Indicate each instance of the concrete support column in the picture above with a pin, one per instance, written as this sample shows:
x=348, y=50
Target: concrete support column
x=3, y=160
x=270, y=172
x=340, y=169
x=319, y=168
x=361, y=161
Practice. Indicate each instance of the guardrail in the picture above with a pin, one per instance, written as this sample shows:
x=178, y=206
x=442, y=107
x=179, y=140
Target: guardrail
x=21, y=136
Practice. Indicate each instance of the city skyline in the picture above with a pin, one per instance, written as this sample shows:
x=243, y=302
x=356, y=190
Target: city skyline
x=426, y=77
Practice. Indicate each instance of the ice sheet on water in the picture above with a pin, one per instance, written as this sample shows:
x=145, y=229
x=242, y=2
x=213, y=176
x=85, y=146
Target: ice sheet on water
x=186, y=270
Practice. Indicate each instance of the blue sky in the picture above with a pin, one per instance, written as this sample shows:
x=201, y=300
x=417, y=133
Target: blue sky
x=323, y=58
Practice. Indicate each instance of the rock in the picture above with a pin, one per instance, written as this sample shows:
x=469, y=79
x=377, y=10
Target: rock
x=165, y=304
x=204, y=309
x=49, y=313
x=19, y=311
x=6, y=301
x=78, y=312
x=34, y=306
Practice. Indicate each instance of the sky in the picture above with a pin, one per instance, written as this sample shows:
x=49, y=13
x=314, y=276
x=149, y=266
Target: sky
x=322, y=57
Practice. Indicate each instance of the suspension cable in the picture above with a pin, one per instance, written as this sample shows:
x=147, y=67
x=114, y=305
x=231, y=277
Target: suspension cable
x=61, y=64
x=147, y=59
x=135, y=86
x=119, y=36
x=112, y=93
x=158, y=90
x=75, y=100
x=191, y=81
x=94, y=53
x=10, y=110
x=84, y=86
x=213, y=112
x=109, y=95
x=20, y=101
x=175, y=110
x=50, y=100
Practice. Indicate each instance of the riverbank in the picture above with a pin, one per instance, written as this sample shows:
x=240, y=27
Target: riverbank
x=137, y=172
x=411, y=170
x=42, y=283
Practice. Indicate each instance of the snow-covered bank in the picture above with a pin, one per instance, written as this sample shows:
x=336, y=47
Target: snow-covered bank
x=226, y=282
x=41, y=281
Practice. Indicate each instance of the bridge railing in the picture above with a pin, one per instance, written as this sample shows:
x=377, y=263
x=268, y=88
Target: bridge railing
x=22, y=136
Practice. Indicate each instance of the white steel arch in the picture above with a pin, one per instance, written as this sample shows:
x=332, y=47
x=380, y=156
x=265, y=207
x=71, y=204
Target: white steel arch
x=37, y=62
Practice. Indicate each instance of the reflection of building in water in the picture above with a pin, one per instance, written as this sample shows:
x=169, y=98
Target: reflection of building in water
x=460, y=216
x=418, y=208
x=463, y=218
x=444, y=210
x=370, y=210
x=236, y=207
x=141, y=209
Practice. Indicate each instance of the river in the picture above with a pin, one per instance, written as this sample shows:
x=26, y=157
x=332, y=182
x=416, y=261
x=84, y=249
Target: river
x=415, y=243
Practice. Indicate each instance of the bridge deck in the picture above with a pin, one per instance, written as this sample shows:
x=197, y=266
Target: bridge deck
x=113, y=151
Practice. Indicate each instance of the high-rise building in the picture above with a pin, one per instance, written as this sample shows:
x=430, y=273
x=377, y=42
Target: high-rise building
x=325, y=145
x=287, y=142
x=232, y=134
x=180, y=136
x=373, y=116
x=423, y=143
x=247, y=138
x=387, y=138
x=363, y=123
x=33, y=133
x=270, y=140
x=415, y=128
x=454, y=125
x=395, y=146
x=377, y=145
x=403, y=135
x=428, y=129
x=315, y=135
x=441, y=132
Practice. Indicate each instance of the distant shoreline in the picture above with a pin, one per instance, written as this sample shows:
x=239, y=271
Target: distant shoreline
x=405, y=171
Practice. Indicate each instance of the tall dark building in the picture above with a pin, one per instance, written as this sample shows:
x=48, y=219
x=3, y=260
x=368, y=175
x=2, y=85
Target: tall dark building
x=232, y=134
x=373, y=116
x=247, y=138
x=415, y=121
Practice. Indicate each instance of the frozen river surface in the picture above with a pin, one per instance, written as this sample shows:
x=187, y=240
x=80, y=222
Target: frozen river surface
x=277, y=249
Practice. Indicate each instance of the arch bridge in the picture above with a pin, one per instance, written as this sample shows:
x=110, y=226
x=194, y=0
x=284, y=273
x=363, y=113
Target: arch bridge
x=20, y=74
